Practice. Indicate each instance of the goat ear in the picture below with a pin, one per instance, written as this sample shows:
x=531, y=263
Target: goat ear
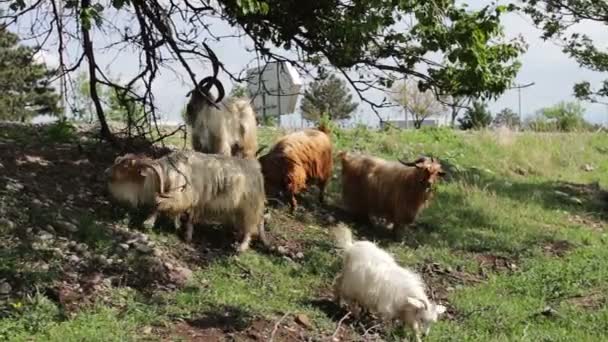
x=440, y=309
x=415, y=302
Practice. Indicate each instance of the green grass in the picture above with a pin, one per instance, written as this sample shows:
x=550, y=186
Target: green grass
x=509, y=195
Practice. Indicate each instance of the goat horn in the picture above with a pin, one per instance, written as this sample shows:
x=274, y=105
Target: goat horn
x=220, y=89
x=408, y=163
x=161, y=179
x=215, y=63
x=260, y=150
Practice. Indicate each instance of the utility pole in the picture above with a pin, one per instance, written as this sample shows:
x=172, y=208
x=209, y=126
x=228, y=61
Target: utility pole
x=519, y=87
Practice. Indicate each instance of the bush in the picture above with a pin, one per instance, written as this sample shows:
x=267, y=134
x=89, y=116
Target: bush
x=477, y=117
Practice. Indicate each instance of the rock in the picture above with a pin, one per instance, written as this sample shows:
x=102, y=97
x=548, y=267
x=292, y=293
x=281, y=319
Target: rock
x=282, y=250
x=147, y=330
x=66, y=226
x=44, y=236
x=588, y=168
x=450, y=289
x=4, y=222
x=267, y=217
x=576, y=200
x=102, y=260
x=74, y=259
x=179, y=275
x=288, y=259
x=81, y=247
x=549, y=312
x=5, y=288
x=331, y=219
x=303, y=320
x=49, y=229
x=143, y=248
x=123, y=246
x=299, y=255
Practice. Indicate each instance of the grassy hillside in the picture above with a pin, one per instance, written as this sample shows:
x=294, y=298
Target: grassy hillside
x=514, y=243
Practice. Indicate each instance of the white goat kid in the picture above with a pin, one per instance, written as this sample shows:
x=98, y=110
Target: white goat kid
x=371, y=278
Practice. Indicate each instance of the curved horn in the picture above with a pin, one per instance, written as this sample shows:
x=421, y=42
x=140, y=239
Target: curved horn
x=220, y=89
x=215, y=63
x=407, y=163
x=156, y=168
x=260, y=150
x=412, y=163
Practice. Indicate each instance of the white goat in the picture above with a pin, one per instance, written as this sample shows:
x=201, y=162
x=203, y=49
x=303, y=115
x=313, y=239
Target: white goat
x=221, y=127
x=371, y=278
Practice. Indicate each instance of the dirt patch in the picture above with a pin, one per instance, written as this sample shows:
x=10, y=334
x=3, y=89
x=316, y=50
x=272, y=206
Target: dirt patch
x=495, y=263
x=558, y=248
x=230, y=329
x=587, y=222
x=442, y=280
x=591, y=301
x=58, y=220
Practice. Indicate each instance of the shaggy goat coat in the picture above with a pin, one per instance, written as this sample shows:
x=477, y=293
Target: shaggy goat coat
x=371, y=278
x=376, y=187
x=297, y=160
x=230, y=130
x=220, y=189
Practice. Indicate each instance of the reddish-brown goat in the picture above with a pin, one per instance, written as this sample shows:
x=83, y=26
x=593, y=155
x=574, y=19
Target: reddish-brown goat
x=297, y=160
x=396, y=191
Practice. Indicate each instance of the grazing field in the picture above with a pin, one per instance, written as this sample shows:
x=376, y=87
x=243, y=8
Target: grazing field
x=514, y=244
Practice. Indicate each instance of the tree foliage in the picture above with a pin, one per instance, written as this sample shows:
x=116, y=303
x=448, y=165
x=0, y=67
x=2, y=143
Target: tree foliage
x=419, y=104
x=329, y=96
x=564, y=117
x=118, y=105
x=456, y=104
x=239, y=91
x=508, y=118
x=557, y=19
x=364, y=34
x=477, y=117
x=372, y=43
x=24, y=83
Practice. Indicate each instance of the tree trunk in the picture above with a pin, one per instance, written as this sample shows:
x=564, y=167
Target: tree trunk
x=454, y=115
x=87, y=45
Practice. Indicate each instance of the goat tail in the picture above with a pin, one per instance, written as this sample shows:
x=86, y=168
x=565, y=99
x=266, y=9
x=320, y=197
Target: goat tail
x=343, y=236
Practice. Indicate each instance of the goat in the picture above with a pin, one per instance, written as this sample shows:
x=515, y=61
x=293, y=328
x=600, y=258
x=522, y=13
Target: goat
x=220, y=127
x=220, y=189
x=371, y=278
x=135, y=179
x=295, y=161
x=396, y=191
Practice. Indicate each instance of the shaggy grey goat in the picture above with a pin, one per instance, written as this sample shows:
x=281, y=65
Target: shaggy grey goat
x=219, y=189
x=220, y=127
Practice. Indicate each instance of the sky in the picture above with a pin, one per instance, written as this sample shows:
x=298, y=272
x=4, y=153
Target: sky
x=553, y=72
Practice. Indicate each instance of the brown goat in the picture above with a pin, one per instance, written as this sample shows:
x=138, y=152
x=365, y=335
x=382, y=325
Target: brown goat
x=297, y=160
x=396, y=191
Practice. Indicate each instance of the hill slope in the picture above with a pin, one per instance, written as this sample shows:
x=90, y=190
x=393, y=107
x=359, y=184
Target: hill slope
x=514, y=244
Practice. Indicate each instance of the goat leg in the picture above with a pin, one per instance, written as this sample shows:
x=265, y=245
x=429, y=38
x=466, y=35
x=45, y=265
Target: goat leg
x=150, y=220
x=244, y=245
x=188, y=227
x=322, y=192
